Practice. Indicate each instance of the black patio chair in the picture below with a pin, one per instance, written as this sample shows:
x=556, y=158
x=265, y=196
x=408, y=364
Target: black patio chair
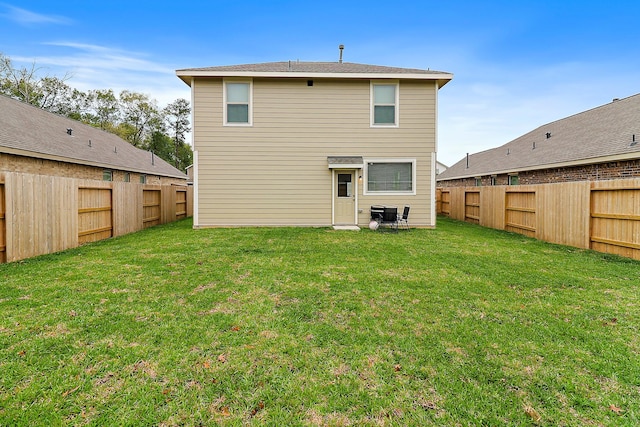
x=390, y=217
x=404, y=219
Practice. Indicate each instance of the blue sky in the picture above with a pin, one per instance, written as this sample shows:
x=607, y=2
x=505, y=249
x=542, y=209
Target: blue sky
x=516, y=64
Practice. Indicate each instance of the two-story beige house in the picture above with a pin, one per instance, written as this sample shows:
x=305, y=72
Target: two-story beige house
x=312, y=143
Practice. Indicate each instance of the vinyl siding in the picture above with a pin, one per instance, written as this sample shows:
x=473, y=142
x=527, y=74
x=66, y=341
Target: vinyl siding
x=275, y=172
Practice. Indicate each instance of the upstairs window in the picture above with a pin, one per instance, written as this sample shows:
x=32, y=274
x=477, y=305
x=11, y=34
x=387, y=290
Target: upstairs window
x=107, y=175
x=384, y=104
x=237, y=100
x=143, y=179
x=514, y=180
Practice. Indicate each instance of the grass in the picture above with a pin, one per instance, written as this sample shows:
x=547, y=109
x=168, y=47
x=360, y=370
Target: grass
x=300, y=326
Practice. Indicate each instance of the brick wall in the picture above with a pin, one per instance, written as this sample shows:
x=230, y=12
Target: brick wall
x=595, y=172
x=13, y=163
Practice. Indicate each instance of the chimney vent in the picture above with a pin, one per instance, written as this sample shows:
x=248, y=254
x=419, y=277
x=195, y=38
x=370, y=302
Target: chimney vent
x=341, y=47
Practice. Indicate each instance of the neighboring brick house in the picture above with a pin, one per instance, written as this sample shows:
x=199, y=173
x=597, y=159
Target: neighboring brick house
x=312, y=143
x=598, y=144
x=35, y=141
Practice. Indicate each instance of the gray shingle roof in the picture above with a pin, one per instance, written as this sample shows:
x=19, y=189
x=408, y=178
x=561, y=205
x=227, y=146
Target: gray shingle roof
x=30, y=131
x=314, y=69
x=593, y=136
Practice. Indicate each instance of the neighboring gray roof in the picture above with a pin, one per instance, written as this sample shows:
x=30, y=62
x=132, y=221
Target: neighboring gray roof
x=598, y=135
x=313, y=69
x=30, y=131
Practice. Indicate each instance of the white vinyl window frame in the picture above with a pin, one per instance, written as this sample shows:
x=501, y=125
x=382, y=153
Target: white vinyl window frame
x=226, y=102
x=365, y=184
x=396, y=103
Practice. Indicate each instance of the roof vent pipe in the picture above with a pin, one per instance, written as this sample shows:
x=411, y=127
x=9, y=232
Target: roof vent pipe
x=341, y=47
x=548, y=135
x=69, y=131
x=467, y=160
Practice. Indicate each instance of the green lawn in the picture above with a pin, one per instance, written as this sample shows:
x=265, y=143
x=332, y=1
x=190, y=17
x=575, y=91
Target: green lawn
x=300, y=326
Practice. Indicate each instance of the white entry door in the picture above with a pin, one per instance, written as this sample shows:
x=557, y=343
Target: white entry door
x=344, y=202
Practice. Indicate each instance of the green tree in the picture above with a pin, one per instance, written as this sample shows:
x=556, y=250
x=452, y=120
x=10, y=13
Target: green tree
x=176, y=116
x=184, y=156
x=103, y=109
x=161, y=145
x=141, y=114
x=58, y=97
x=24, y=84
x=18, y=83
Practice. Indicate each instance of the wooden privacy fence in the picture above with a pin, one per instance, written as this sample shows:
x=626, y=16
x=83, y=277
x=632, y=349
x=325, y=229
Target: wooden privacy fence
x=599, y=215
x=45, y=214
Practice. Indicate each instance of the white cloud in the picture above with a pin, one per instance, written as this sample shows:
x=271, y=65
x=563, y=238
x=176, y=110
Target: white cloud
x=103, y=57
x=103, y=67
x=26, y=17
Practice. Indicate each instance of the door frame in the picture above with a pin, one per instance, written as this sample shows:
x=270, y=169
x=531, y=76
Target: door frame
x=334, y=191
